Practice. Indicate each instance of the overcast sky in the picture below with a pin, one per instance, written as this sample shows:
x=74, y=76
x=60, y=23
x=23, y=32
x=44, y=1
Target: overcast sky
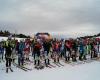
x=70, y=17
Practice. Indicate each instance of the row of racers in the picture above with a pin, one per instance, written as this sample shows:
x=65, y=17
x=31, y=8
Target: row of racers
x=47, y=50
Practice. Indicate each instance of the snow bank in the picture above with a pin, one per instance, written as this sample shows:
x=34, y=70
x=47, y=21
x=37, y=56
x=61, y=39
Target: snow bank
x=88, y=71
x=5, y=38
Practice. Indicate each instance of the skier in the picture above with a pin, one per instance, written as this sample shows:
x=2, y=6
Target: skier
x=46, y=46
x=98, y=49
x=81, y=50
x=27, y=49
x=36, y=53
x=62, y=47
x=74, y=50
x=92, y=50
x=56, y=50
x=8, y=55
x=21, y=53
x=17, y=47
x=32, y=46
x=95, y=55
x=67, y=50
x=1, y=51
x=13, y=51
x=85, y=51
x=88, y=48
x=97, y=44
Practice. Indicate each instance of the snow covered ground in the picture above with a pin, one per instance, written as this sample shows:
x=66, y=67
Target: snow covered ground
x=88, y=71
x=5, y=38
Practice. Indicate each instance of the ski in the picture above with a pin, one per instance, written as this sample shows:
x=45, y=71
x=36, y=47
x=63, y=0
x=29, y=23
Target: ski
x=60, y=64
x=48, y=66
x=29, y=61
x=7, y=70
x=67, y=62
x=72, y=63
x=52, y=65
x=88, y=61
x=39, y=67
x=80, y=62
x=96, y=59
x=56, y=64
x=76, y=63
x=22, y=67
x=11, y=70
x=26, y=68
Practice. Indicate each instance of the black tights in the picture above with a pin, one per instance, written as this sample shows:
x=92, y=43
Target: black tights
x=8, y=62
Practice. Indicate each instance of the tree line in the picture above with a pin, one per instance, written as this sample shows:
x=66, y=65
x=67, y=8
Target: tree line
x=84, y=37
x=6, y=33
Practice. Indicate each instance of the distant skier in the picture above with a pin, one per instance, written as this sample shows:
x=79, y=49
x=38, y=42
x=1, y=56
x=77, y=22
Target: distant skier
x=21, y=53
x=56, y=51
x=47, y=46
x=67, y=50
x=74, y=50
x=93, y=52
x=1, y=52
x=27, y=49
x=62, y=47
x=13, y=50
x=81, y=50
x=36, y=53
x=8, y=55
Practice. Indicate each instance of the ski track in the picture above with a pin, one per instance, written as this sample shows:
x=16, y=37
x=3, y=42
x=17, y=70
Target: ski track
x=88, y=71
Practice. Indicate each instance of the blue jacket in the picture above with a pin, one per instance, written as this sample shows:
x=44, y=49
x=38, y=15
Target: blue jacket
x=21, y=46
x=81, y=48
x=1, y=50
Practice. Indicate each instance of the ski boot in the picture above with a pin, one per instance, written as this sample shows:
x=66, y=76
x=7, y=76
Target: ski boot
x=7, y=70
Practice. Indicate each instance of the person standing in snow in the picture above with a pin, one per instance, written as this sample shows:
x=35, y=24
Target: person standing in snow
x=92, y=49
x=85, y=52
x=21, y=53
x=74, y=50
x=27, y=49
x=62, y=47
x=46, y=46
x=1, y=51
x=8, y=55
x=13, y=50
x=56, y=51
x=36, y=53
x=81, y=50
x=67, y=50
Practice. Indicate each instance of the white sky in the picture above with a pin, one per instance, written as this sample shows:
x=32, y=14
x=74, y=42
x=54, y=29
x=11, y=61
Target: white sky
x=70, y=17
